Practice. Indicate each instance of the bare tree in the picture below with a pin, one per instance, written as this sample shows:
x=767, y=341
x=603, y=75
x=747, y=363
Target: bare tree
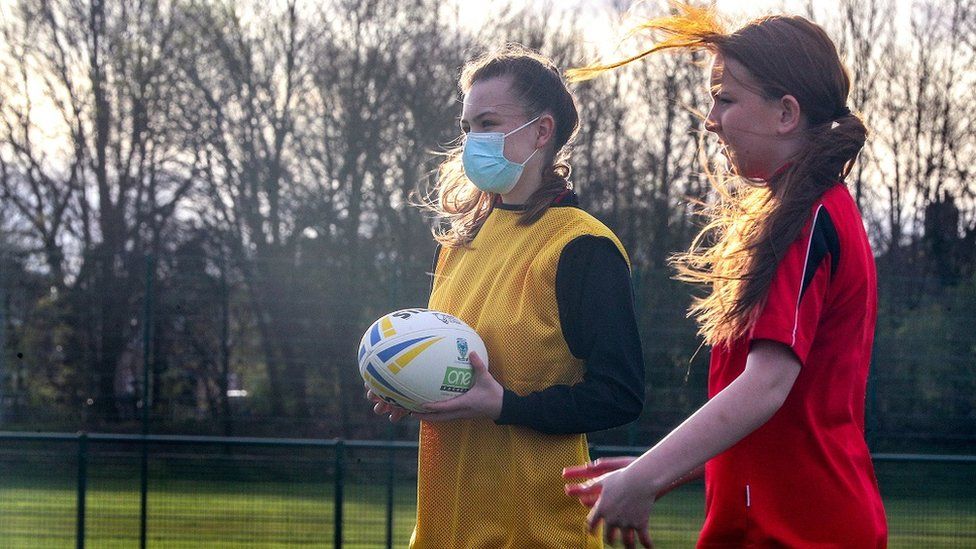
x=924, y=119
x=384, y=98
x=247, y=77
x=109, y=186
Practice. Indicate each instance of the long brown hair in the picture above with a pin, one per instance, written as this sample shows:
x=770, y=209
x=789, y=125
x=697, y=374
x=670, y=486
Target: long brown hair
x=459, y=206
x=751, y=227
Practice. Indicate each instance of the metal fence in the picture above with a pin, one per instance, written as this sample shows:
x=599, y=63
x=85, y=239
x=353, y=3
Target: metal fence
x=108, y=490
x=195, y=354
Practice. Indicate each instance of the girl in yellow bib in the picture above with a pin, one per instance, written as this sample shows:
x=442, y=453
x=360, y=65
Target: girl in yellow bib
x=547, y=287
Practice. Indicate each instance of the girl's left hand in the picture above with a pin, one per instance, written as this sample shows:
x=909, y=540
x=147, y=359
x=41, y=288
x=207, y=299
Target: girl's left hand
x=620, y=506
x=589, y=471
x=483, y=399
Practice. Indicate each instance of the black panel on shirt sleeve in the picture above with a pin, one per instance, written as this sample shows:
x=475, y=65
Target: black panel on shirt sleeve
x=824, y=243
x=596, y=311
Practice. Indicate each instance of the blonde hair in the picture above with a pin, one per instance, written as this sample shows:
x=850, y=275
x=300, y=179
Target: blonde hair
x=459, y=207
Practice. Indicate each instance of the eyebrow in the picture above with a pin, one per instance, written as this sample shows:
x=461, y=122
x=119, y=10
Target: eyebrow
x=482, y=115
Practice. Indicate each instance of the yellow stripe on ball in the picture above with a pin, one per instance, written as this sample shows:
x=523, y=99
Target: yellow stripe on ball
x=387, y=326
x=408, y=356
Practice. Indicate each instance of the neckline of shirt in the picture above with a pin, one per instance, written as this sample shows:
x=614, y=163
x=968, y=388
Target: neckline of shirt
x=563, y=199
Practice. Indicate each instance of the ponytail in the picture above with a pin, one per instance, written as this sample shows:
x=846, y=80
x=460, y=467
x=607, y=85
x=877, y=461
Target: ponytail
x=750, y=228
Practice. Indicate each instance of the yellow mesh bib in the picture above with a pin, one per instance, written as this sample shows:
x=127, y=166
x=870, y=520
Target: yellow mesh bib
x=482, y=485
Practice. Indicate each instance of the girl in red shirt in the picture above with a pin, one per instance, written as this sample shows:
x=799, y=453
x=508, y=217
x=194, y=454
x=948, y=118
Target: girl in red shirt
x=791, y=312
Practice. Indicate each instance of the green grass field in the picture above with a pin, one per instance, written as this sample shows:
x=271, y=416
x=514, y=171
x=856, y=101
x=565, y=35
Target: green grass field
x=216, y=514
x=268, y=507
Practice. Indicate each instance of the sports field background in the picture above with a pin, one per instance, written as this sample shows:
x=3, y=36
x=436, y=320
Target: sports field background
x=193, y=277
x=211, y=495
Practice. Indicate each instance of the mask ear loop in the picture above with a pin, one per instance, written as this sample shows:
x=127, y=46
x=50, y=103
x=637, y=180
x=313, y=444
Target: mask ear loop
x=529, y=158
x=523, y=125
x=519, y=128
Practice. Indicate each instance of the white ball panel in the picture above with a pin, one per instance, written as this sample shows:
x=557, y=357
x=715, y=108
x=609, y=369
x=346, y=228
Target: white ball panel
x=416, y=356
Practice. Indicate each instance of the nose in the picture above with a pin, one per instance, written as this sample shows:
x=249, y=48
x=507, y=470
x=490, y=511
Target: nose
x=711, y=122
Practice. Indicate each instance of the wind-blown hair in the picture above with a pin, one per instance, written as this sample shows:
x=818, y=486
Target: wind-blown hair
x=750, y=227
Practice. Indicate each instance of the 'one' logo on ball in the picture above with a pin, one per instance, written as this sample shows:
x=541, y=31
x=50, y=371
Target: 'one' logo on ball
x=456, y=380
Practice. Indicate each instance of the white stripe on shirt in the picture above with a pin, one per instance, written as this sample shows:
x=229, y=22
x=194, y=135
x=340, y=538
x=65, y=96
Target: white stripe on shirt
x=803, y=272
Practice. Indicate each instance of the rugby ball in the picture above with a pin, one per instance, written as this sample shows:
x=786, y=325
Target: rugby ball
x=417, y=356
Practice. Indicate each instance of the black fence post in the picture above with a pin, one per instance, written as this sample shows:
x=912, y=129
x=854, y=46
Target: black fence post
x=144, y=465
x=871, y=407
x=82, y=488
x=143, y=493
x=337, y=494
x=3, y=331
x=147, y=312
x=390, y=479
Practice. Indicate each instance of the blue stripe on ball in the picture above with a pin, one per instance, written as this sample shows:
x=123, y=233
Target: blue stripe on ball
x=386, y=354
x=376, y=375
x=374, y=334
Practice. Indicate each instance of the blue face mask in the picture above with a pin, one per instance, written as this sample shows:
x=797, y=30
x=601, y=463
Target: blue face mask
x=485, y=164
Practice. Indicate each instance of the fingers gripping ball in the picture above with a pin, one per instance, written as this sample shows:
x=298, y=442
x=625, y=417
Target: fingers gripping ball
x=416, y=356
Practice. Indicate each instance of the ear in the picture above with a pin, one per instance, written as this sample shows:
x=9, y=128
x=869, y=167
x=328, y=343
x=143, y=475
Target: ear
x=790, y=115
x=546, y=130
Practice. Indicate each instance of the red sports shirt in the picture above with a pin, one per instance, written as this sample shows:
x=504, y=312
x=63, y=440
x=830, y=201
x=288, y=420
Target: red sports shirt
x=805, y=478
